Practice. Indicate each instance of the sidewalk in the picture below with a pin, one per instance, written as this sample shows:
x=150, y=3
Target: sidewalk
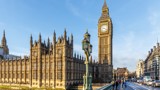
x=125, y=88
x=122, y=88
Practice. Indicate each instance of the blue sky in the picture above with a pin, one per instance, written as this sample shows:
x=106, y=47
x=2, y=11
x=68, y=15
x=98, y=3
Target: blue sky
x=136, y=25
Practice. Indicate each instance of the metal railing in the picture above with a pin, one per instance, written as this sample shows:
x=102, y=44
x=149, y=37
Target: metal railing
x=107, y=87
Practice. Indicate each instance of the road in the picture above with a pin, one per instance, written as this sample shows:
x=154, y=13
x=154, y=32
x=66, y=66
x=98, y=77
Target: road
x=135, y=86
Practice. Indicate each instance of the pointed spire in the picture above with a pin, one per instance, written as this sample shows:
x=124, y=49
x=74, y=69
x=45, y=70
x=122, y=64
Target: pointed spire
x=31, y=40
x=48, y=44
x=54, y=33
x=75, y=55
x=44, y=43
x=40, y=38
x=54, y=37
x=31, y=37
x=65, y=34
x=65, y=31
x=4, y=33
x=4, y=42
x=72, y=39
x=51, y=47
x=157, y=43
x=105, y=12
x=105, y=7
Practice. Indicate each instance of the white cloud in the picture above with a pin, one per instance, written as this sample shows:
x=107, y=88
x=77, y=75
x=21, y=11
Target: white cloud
x=124, y=52
x=133, y=46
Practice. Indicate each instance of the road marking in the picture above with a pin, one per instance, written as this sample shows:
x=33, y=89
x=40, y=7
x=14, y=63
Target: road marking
x=136, y=87
x=148, y=87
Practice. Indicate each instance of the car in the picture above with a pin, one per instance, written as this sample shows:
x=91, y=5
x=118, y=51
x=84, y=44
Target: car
x=149, y=83
x=140, y=81
x=147, y=80
x=156, y=83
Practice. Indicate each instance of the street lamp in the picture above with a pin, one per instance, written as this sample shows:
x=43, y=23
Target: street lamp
x=87, y=47
x=113, y=75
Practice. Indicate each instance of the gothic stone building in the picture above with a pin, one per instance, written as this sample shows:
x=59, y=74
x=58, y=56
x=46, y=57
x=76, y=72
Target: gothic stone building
x=49, y=65
x=53, y=64
x=152, y=63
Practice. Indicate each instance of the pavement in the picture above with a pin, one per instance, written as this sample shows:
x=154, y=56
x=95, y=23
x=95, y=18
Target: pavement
x=126, y=88
x=136, y=86
x=123, y=88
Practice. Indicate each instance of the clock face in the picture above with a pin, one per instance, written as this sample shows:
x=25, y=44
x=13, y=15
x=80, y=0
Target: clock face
x=104, y=28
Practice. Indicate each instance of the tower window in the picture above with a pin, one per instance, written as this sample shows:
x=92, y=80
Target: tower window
x=34, y=75
x=59, y=76
x=59, y=67
x=43, y=66
x=51, y=76
x=47, y=65
x=34, y=66
x=46, y=75
x=27, y=76
x=13, y=75
x=23, y=67
x=22, y=75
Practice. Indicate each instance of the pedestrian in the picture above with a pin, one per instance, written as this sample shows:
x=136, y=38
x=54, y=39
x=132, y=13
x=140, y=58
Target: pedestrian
x=116, y=85
x=122, y=84
x=125, y=84
x=113, y=85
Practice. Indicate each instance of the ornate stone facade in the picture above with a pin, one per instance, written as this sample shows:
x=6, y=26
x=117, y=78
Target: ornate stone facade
x=140, y=69
x=152, y=63
x=49, y=65
x=53, y=63
x=105, y=34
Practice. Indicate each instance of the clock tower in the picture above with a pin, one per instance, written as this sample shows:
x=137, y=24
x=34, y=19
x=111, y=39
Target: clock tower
x=105, y=33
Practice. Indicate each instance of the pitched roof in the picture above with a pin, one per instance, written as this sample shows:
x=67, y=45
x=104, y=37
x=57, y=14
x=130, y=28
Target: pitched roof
x=121, y=70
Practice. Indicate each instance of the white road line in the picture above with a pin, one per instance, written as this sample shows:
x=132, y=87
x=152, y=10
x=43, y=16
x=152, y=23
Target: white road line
x=144, y=86
x=137, y=87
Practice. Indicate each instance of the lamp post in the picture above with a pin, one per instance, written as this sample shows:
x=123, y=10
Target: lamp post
x=87, y=47
x=113, y=75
